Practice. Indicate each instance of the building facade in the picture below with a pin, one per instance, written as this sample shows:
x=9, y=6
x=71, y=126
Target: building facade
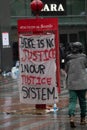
x=72, y=16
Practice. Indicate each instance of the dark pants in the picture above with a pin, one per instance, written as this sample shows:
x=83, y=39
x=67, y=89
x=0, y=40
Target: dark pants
x=81, y=95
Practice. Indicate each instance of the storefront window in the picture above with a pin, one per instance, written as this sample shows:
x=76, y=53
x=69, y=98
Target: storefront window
x=76, y=7
x=73, y=37
x=20, y=7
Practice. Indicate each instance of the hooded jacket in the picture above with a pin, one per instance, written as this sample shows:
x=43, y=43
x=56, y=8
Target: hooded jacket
x=76, y=71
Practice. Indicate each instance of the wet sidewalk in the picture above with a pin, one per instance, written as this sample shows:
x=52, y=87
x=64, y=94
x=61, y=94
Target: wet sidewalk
x=17, y=116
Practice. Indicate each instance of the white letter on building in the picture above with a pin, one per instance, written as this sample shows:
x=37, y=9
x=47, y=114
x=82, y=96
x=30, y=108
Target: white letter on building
x=46, y=8
x=60, y=8
x=53, y=7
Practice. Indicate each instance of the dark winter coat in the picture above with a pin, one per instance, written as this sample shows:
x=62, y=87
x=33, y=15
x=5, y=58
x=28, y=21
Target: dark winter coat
x=76, y=71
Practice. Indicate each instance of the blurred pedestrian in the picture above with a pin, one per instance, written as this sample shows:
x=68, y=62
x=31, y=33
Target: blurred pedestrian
x=76, y=81
x=62, y=56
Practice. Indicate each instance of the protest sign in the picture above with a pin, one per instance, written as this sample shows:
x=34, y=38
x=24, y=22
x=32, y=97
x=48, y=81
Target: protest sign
x=39, y=81
x=38, y=69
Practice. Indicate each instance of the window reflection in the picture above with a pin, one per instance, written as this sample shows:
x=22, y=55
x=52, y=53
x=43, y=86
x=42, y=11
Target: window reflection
x=76, y=7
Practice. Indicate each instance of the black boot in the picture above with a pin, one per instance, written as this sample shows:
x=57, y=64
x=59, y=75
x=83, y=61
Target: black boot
x=83, y=121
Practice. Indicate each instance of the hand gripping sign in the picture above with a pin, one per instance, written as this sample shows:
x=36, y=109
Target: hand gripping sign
x=39, y=63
